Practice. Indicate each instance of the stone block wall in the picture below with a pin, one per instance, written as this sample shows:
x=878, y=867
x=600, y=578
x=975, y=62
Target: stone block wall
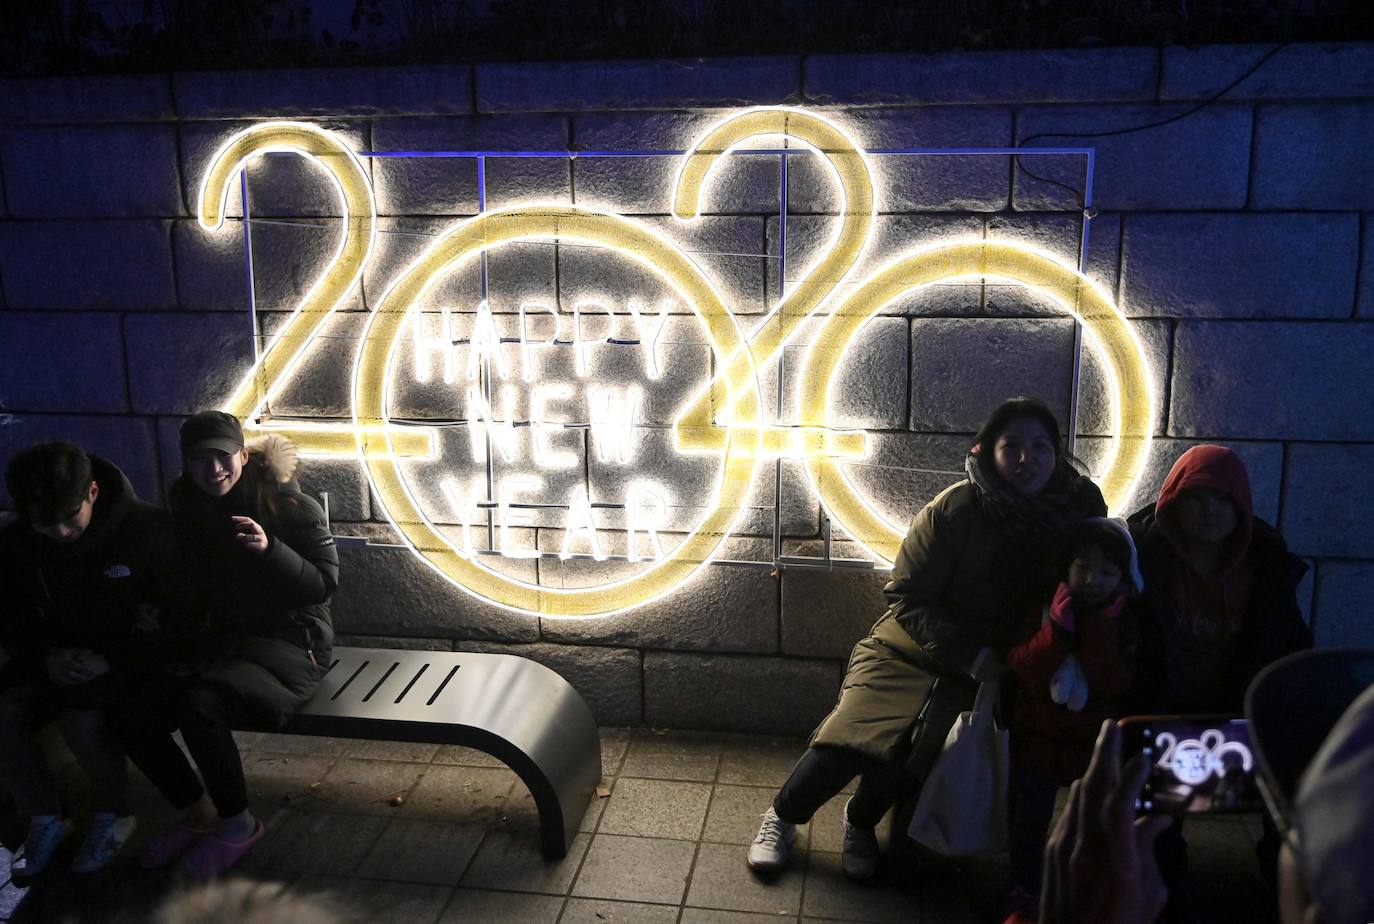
x=1236, y=237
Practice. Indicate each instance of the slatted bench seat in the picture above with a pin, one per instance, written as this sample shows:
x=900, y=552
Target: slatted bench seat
x=514, y=709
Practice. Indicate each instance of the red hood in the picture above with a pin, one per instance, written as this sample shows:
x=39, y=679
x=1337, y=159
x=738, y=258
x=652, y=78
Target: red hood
x=1219, y=469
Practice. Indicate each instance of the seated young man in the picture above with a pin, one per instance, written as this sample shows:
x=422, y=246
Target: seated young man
x=82, y=567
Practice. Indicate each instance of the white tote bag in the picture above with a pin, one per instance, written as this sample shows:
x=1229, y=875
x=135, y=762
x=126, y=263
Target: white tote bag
x=962, y=810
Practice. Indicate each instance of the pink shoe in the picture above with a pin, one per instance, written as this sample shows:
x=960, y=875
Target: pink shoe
x=211, y=856
x=169, y=847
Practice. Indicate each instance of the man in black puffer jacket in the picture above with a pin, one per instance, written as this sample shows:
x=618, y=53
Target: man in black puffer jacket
x=81, y=569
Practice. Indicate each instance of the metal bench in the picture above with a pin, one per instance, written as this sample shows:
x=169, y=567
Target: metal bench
x=514, y=709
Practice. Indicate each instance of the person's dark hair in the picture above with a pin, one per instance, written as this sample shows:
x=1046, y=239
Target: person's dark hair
x=1099, y=535
x=1066, y=467
x=48, y=478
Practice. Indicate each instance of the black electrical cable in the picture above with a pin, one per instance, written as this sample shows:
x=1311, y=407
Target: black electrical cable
x=1016, y=158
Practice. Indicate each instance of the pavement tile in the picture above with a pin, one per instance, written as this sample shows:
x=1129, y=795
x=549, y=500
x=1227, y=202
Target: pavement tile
x=830, y=895
x=465, y=757
x=734, y=815
x=656, y=808
x=595, y=809
x=756, y=761
x=598, y=911
x=514, y=861
x=380, y=902
x=463, y=794
x=827, y=827
x=281, y=778
x=367, y=786
x=310, y=745
x=640, y=869
x=722, y=879
x=614, y=743
x=718, y=916
x=672, y=756
x=317, y=842
x=472, y=905
x=393, y=750
x=419, y=850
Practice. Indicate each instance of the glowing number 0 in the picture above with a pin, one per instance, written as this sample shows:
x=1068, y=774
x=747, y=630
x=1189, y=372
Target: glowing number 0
x=725, y=417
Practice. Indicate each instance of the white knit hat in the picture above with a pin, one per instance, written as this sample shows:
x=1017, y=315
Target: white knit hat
x=1120, y=526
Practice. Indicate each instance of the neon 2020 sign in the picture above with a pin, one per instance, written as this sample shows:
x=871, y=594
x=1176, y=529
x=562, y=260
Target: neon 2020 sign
x=723, y=420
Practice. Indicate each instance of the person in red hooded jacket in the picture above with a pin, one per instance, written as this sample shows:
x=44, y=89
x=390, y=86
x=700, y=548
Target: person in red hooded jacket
x=1220, y=604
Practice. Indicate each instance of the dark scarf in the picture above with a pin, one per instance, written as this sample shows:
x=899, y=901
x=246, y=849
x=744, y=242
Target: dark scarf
x=203, y=522
x=1040, y=521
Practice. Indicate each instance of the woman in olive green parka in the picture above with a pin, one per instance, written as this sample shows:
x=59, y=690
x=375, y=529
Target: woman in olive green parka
x=975, y=560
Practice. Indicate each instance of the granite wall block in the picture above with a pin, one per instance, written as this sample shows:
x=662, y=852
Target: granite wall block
x=324, y=92
x=1298, y=69
x=1313, y=156
x=1343, y=593
x=128, y=442
x=85, y=347
x=1240, y=265
x=102, y=98
x=117, y=265
x=183, y=363
x=609, y=679
x=1327, y=504
x=1271, y=380
x=90, y=171
x=773, y=696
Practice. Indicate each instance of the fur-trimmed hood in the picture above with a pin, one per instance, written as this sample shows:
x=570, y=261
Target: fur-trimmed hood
x=277, y=454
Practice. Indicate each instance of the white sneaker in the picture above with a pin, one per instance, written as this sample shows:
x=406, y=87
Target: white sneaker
x=769, y=851
x=109, y=833
x=34, y=855
x=860, y=857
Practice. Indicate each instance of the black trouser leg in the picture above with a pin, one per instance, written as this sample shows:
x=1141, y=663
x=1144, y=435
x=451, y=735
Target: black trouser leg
x=1032, y=807
x=144, y=731
x=88, y=735
x=823, y=771
x=205, y=717
x=23, y=768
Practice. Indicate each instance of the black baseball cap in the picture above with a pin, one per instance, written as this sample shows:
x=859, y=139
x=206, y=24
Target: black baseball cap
x=211, y=430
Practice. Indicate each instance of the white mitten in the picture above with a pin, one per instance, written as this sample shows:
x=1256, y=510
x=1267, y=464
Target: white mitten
x=1069, y=685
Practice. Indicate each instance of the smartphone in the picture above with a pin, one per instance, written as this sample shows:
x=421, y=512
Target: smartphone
x=1199, y=764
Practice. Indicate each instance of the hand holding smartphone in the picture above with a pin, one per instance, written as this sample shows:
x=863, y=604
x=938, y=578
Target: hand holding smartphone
x=1198, y=764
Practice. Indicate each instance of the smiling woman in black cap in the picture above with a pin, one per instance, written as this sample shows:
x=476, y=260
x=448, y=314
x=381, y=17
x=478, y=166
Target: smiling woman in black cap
x=265, y=567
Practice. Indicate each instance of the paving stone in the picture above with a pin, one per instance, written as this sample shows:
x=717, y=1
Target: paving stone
x=1342, y=618
x=94, y=98
x=129, y=442
x=279, y=780
x=614, y=743
x=289, y=258
x=641, y=869
x=746, y=183
x=514, y=862
x=477, y=905
x=609, y=679
x=33, y=342
x=368, y=786
x=468, y=795
x=1263, y=462
x=390, y=591
x=917, y=182
x=315, y=843
x=594, y=911
x=721, y=879
x=382, y=902
x=323, y=92
x=465, y=757
x=963, y=368
x=1217, y=366
x=717, y=916
x=825, y=612
x=90, y=171
x=303, y=745
x=894, y=236
x=1325, y=500
x=734, y=693
x=284, y=186
x=735, y=812
x=1051, y=76
x=448, y=185
x=212, y=355
x=1242, y=265
x=1291, y=137
x=830, y=894
x=688, y=83
x=1201, y=162
x=754, y=760
x=393, y=750
x=123, y=265
x=1316, y=69
x=668, y=755
x=656, y=808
